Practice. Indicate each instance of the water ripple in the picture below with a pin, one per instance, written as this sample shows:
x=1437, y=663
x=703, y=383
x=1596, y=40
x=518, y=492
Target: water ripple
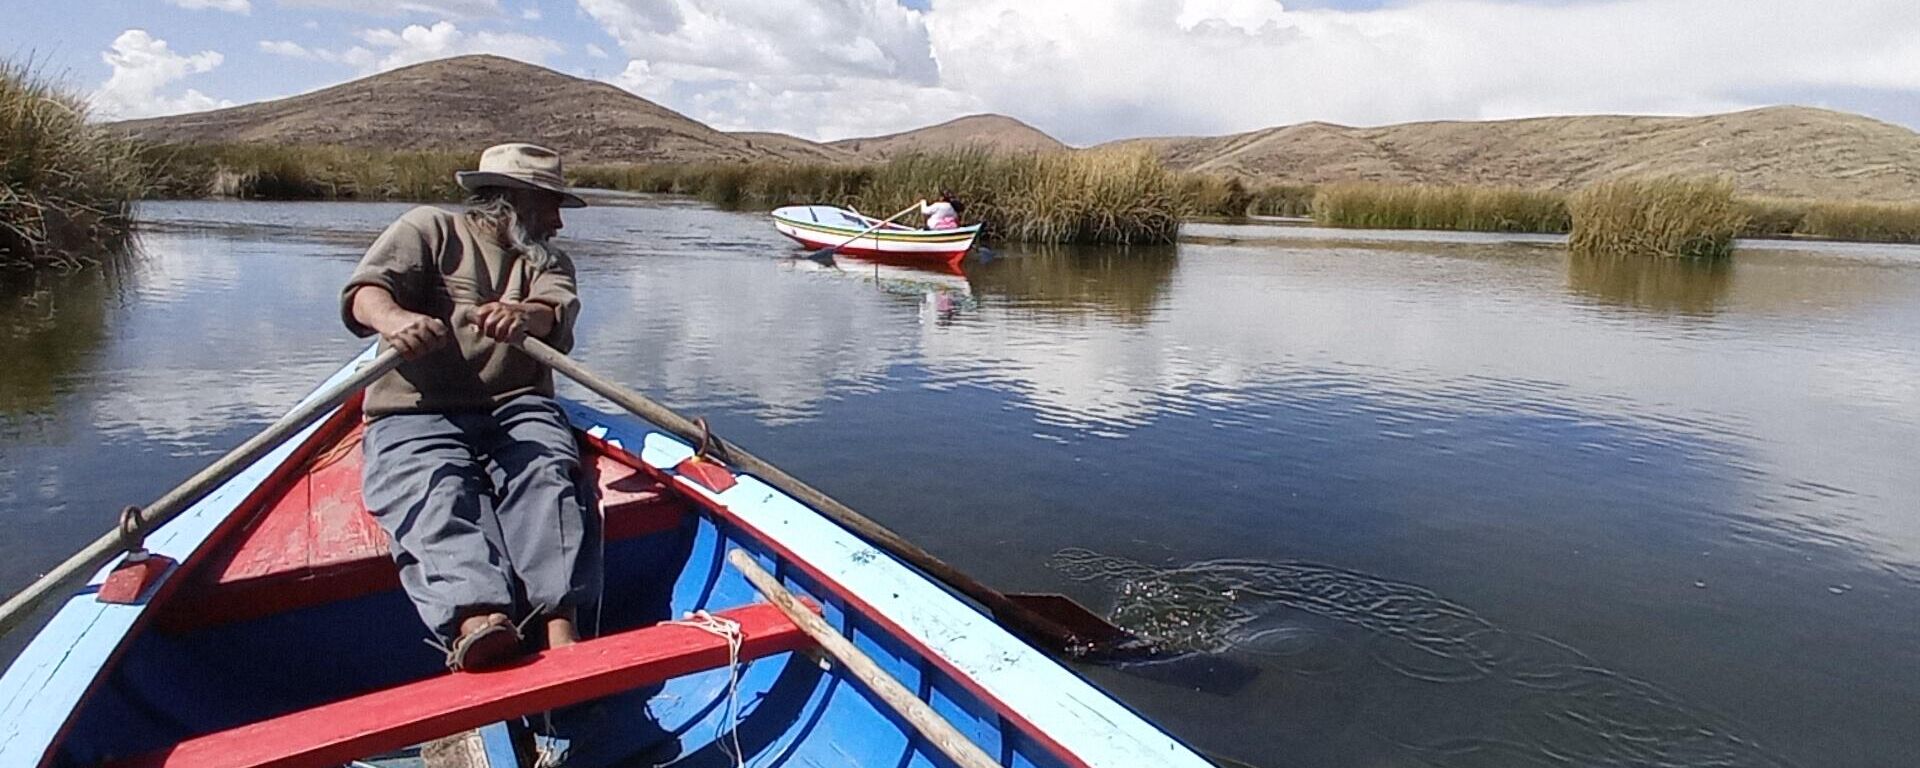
x=1570, y=710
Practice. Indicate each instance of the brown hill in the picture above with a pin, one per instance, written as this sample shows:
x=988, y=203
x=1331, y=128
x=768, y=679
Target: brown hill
x=796, y=148
x=1778, y=151
x=997, y=133
x=465, y=103
x=468, y=102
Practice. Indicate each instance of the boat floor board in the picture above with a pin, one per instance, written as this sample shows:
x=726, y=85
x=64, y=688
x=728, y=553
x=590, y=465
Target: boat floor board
x=333, y=734
x=318, y=544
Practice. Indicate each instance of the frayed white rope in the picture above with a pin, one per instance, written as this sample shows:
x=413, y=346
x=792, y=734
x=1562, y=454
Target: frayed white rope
x=729, y=630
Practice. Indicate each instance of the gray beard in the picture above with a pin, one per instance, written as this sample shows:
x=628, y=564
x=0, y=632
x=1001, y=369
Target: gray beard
x=500, y=216
x=537, y=251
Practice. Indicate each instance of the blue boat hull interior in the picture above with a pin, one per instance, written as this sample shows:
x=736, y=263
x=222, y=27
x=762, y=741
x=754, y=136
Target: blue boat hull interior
x=790, y=708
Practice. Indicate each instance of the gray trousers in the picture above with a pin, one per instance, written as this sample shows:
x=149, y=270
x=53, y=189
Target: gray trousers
x=485, y=511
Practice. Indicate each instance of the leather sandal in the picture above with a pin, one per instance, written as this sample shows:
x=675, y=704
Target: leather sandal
x=490, y=646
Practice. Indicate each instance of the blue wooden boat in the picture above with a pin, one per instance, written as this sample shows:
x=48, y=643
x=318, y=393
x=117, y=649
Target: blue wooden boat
x=281, y=638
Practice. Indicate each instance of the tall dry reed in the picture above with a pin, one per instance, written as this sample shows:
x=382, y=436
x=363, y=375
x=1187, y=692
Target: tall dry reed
x=66, y=186
x=1872, y=222
x=1210, y=195
x=1292, y=200
x=1098, y=197
x=1117, y=197
x=731, y=185
x=267, y=172
x=1656, y=216
x=1464, y=208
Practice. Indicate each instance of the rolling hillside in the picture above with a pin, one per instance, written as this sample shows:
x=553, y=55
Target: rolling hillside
x=992, y=132
x=468, y=102
x=1778, y=151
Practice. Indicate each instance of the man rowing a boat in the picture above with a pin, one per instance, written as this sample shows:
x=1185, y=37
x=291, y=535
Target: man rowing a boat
x=471, y=467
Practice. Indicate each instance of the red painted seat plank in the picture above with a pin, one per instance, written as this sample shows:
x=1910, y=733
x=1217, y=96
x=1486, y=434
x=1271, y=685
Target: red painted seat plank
x=339, y=528
x=333, y=734
x=316, y=543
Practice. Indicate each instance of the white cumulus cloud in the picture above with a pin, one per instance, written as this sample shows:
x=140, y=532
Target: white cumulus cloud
x=1092, y=70
x=416, y=43
x=143, y=69
x=1233, y=65
x=822, y=69
x=230, y=6
x=459, y=9
x=356, y=57
x=386, y=49
x=287, y=48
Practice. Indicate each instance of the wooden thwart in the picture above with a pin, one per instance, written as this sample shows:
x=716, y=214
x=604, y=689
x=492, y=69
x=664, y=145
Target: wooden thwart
x=324, y=547
x=333, y=734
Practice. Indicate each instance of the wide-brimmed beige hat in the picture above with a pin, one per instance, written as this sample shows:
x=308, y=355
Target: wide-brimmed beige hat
x=527, y=166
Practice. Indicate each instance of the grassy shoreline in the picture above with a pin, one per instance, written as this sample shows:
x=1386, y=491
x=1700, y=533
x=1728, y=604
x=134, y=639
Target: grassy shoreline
x=1111, y=197
x=1499, y=209
x=1125, y=197
x=66, y=185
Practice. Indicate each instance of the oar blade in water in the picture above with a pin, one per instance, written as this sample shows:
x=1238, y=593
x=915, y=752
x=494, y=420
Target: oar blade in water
x=1101, y=639
x=1210, y=673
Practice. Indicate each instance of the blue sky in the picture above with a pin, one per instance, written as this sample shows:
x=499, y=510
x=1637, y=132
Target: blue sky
x=1083, y=70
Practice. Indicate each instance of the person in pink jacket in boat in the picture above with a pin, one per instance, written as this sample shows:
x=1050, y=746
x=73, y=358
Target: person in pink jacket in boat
x=943, y=213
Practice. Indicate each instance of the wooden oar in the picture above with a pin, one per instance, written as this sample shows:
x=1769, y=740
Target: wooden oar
x=826, y=254
x=167, y=507
x=1054, y=622
x=931, y=726
x=937, y=730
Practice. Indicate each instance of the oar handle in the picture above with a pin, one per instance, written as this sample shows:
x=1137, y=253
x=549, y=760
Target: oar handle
x=1015, y=615
x=869, y=230
x=17, y=608
x=885, y=221
x=931, y=726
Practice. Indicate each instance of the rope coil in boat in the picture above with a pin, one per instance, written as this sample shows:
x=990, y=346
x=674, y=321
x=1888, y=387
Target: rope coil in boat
x=729, y=630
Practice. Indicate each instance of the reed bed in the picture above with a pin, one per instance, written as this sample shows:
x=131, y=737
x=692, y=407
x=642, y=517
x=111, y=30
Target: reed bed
x=1463, y=208
x=1100, y=197
x=1771, y=217
x=1872, y=222
x=1209, y=195
x=1292, y=200
x=1876, y=222
x=1231, y=197
x=1125, y=196
x=731, y=185
x=1119, y=197
x=1657, y=216
x=265, y=172
x=1496, y=209
x=1069, y=198
x=66, y=186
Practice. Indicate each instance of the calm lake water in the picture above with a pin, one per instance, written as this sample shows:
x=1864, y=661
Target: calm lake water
x=1412, y=500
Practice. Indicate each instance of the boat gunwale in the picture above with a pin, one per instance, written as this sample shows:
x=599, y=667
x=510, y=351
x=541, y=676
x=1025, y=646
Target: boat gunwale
x=868, y=612
x=709, y=500
x=907, y=234
x=273, y=471
x=584, y=420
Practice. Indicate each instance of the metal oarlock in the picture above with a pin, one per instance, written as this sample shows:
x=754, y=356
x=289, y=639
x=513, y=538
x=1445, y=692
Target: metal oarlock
x=706, y=466
x=139, y=570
